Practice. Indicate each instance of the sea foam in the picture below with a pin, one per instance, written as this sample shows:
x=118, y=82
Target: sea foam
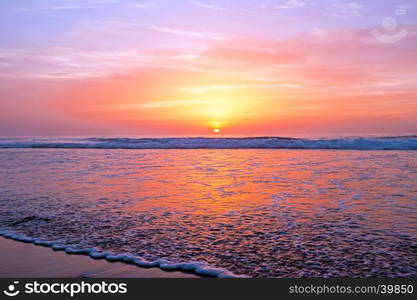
x=197, y=268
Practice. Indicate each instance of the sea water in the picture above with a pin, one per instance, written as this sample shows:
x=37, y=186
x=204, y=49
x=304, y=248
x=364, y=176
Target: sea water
x=219, y=212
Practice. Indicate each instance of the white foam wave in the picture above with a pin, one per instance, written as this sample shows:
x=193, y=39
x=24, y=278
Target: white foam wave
x=194, y=267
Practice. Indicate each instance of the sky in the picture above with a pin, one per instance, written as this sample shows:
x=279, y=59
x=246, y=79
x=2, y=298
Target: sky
x=188, y=67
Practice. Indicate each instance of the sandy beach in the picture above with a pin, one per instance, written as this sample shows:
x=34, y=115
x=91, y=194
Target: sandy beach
x=20, y=260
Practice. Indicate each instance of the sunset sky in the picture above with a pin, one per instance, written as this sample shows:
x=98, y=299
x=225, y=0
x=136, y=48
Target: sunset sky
x=187, y=67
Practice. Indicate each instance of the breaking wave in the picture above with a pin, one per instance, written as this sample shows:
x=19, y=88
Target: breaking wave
x=343, y=143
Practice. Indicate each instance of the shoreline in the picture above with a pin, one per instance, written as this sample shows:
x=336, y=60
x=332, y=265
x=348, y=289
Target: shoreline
x=21, y=259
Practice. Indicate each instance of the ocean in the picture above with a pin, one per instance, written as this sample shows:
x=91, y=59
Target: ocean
x=224, y=207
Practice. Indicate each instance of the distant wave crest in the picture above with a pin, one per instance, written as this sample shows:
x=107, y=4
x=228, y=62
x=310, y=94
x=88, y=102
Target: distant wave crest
x=343, y=143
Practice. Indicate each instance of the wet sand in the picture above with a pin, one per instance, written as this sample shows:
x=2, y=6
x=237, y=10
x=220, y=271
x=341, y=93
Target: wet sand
x=21, y=260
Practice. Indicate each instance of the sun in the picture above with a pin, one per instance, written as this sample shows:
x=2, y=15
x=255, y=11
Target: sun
x=216, y=130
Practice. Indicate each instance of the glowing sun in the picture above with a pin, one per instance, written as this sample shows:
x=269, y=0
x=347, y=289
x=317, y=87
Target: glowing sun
x=216, y=130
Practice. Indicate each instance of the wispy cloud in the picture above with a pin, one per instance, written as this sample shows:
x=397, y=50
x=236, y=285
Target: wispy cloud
x=79, y=5
x=187, y=33
x=207, y=5
x=72, y=7
x=150, y=4
x=289, y=4
x=203, y=89
x=67, y=63
x=323, y=57
x=169, y=104
x=345, y=10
